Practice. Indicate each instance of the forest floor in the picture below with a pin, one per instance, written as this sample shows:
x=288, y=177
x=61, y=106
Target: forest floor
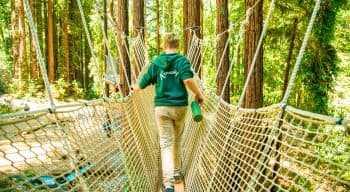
x=32, y=103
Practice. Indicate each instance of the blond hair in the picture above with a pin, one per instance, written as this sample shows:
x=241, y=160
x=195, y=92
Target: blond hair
x=171, y=40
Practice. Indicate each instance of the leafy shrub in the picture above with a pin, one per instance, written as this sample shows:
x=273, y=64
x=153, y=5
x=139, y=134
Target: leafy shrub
x=35, y=89
x=6, y=106
x=77, y=91
x=94, y=91
x=61, y=89
x=64, y=89
x=2, y=86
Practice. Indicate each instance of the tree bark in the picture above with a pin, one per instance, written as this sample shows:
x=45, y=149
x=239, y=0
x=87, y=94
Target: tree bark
x=40, y=25
x=22, y=59
x=34, y=68
x=15, y=38
x=192, y=20
x=185, y=25
x=65, y=41
x=222, y=55
x=139, y=27
x=157, y=27
x=50, y=42
x=254, y=94
x=171, y=15
x=105, y=50
x=124, y=72
x=87, y=55
x=192, y=23
x=253, y=136
x=289, y=57
x=55, y=40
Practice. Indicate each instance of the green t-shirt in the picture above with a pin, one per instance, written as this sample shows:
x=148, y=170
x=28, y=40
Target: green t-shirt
x=168, y=71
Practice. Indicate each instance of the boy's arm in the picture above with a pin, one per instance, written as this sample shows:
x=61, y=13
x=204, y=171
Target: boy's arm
x=147, y=78
x=192, y=85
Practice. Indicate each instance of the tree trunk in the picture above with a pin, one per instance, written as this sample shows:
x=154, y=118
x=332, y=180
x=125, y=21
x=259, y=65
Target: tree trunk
x=105, y=50
x=139, y=27
x=81, y=60
x=289, y=58
x=254, y=94
x=34, y=68
x=50, y=42
x=157, y=27
x=253, y=137
x=124, y=72
x=65, y=41
x=15, y=38
x=87, y=69
x=222, y=56
x=171, y=15
x=185, y=24
x=22, y=61
x=40, y=25
x=192, y=22
x=55, y=40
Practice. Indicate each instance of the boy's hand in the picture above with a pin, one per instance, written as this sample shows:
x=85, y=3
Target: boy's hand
x=200, y=99
x=136, y=87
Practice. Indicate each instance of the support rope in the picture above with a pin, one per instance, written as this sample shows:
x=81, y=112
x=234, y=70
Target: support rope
x=241, y=31
x=301, y=52
x=38, y=52
x=88, y=36
x=252, y=65
x=106, y=43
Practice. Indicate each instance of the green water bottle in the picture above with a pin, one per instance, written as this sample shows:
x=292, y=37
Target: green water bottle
x=196, y=111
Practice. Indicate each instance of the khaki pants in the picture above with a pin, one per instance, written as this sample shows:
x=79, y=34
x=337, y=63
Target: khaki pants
x=170, y=121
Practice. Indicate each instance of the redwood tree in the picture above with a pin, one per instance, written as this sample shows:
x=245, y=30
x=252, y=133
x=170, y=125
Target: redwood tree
x=65, y=40
x=157, y=27
x=192, y=22
x=34, y=68
x=254, y=94
x=15, y=37
x=124, y=72
x=138, y=27
x=222, y=56
x=22, y=53
x=50, y=42
x=171, y=15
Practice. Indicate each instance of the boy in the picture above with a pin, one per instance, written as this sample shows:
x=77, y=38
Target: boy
x=171, y=73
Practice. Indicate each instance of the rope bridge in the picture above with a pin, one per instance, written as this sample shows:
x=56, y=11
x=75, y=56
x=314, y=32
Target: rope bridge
x=112, y=145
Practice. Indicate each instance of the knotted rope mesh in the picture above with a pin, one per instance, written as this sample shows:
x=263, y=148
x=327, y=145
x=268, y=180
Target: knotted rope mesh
x=99, y=146
x=113, y=146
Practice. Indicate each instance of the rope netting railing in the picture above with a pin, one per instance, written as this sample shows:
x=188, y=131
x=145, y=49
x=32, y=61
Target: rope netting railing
x=235, y=149
x=113, y=146
x=95, y=146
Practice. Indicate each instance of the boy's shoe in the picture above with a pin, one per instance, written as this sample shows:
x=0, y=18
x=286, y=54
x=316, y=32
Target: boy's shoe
x=169, y=189
x=178, y=178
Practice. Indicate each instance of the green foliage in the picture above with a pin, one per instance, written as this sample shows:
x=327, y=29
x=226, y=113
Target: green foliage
x=2, y=86
x=61, y=89
x=77, y=91
x=94, y=91
x=5, y=36
x=321, y=62
x=320, y=65
x=14, y=87
x=35, y=89
x=6, y=106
